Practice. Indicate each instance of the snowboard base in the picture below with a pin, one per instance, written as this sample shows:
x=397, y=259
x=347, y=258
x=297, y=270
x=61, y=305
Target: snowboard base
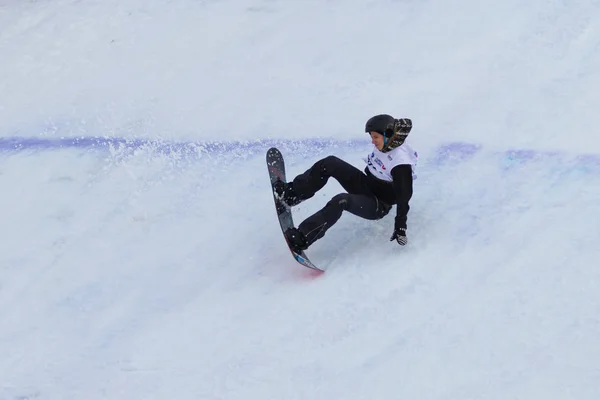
x=276, y=168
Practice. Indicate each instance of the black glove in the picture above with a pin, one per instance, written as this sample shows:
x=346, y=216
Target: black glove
x=399, y=236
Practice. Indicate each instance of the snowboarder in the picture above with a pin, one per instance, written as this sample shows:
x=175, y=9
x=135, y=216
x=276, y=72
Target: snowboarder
x=386, y=180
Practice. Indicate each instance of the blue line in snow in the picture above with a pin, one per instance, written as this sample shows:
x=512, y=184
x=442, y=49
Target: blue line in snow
x=16, y=144
x=446, y=153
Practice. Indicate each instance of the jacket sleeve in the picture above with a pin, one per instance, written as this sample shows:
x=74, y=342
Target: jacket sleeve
x=403, y=189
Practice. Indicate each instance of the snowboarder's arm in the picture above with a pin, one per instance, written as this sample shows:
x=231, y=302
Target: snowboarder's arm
x=403, y=189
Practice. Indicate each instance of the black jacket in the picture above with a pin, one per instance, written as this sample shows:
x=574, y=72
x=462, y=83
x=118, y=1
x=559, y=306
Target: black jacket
x=398, y=192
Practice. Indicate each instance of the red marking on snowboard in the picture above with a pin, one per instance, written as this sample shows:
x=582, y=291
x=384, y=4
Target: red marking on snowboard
x=312, y=274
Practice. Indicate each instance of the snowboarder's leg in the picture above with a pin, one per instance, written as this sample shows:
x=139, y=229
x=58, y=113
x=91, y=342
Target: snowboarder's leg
x=315, y=226
x=305, y=185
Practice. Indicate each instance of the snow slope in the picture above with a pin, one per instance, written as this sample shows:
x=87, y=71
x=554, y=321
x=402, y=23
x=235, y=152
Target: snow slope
x=140, y=254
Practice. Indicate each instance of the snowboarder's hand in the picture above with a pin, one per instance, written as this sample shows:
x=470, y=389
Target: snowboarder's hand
x=399, y=236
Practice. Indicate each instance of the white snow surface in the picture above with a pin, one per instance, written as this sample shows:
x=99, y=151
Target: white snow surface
x=151, y=266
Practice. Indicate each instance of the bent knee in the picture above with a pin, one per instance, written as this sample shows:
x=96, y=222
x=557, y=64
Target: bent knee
x=341, y=200
x=331, y=160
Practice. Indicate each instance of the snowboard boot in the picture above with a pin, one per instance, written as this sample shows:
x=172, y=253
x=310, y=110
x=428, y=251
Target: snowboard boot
x=285, y=193
x=296, y=240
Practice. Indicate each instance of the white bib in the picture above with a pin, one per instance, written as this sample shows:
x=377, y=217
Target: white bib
x=381, y=164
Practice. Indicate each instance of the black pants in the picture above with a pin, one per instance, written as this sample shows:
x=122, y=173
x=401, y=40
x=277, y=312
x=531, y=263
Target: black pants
x=359, y=199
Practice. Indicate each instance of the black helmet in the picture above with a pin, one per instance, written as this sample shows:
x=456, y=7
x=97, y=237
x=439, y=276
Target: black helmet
x=393, y=130
x=382, y=123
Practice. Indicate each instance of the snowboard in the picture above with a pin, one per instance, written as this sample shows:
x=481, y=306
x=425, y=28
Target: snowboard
x=276, y=168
